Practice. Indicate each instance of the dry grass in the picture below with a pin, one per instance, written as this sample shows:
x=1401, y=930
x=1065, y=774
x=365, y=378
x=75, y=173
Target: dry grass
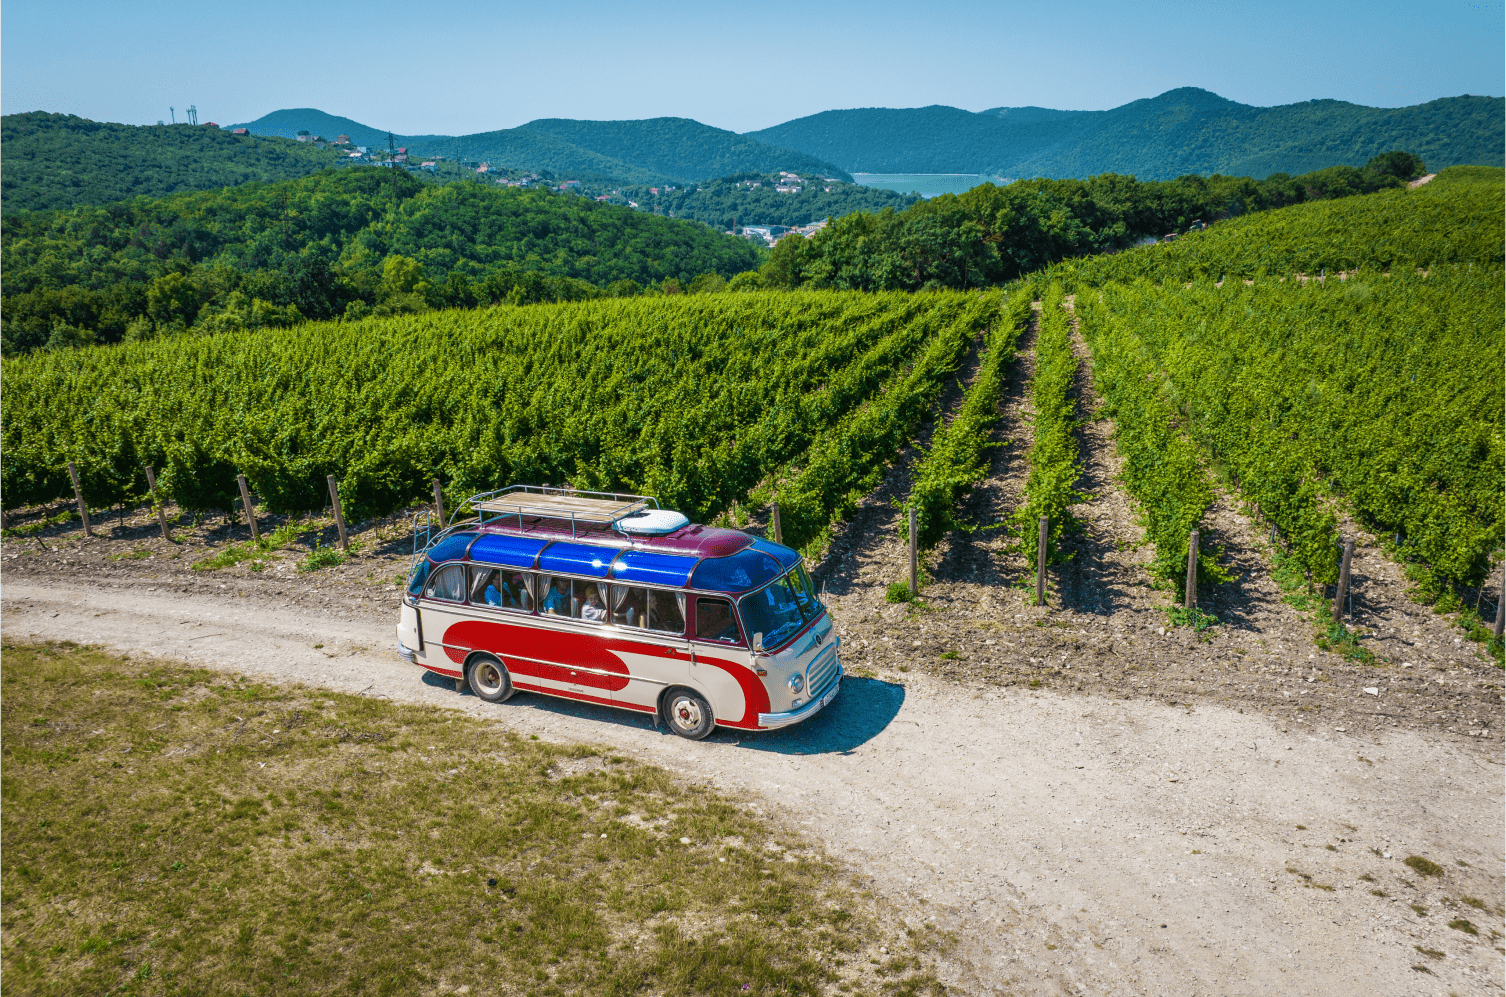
x=176, y=831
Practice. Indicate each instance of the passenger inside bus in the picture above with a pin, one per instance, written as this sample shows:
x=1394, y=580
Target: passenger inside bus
x=486, y=586
x=666, y=612
x=593, y=609
x=557, y=601
x=629, y=604
x=515, y=591
x=714, y=621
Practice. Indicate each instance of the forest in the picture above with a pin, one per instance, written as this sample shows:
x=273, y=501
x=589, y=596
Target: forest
x=993, y=234
x=1182, y=131
x=341, y=243
x=726, y=200
x=61, y=160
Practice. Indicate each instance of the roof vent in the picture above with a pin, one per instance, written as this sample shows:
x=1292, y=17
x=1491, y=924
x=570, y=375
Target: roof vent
x=652, y=522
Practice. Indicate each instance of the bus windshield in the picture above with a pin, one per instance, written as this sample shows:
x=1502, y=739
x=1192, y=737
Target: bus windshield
x=781, y=608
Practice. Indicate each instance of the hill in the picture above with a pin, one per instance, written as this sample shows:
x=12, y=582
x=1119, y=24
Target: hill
x=1182, y=131
x=60, y=160
x=341, y=243
x=991, y=235
x=650, y=151
x=756, y=199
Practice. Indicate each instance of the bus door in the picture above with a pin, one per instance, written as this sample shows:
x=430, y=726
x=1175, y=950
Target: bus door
x=648, y=636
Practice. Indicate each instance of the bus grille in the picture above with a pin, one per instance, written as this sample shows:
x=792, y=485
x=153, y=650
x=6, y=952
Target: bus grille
x=821, y=673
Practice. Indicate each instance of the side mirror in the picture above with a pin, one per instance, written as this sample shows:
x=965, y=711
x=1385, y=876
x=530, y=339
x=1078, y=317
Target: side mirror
x=758, y=643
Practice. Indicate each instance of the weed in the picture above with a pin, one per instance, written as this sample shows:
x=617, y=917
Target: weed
x=30, y=529
x=1474, y=902
x=1368, y=878
x=1379, y=893
x=898, y=592
x=1430, y=953
x=139, y=554
x=1302, y=827
x=1460, y=924
x=321, y=557
x=1180, y=616
x=1424, y=969
x=1420, y=909
x=1035, y=683
x=950, y=655
x=1421, y=865
x=1330, y=848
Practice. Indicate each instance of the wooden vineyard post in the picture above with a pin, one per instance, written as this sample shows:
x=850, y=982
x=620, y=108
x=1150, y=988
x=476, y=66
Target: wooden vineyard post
x=1189, y=600
x=774, y=519
x=334, y=498
x=439, y=504
x=1338, y=598
x=78, y=493
x=1501, y=603
x=240, y=479
x=1040, y=561
x=914, y=558
x=151, y=484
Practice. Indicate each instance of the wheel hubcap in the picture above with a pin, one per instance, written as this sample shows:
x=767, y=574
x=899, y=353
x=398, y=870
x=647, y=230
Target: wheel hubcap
x=489, y=678
x=687, y=714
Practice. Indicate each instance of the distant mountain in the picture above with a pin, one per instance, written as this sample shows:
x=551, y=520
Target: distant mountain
x=1182, y=131
x=61, y=160
x=650, y=151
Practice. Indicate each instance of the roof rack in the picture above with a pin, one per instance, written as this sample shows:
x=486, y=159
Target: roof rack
x=574, y=504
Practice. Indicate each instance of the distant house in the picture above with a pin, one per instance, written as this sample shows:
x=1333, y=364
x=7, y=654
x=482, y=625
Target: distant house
x=484, y=168
x=241, y=131
x=210, y=124
x=304, y=136
x=342, y=140
x=603, y=197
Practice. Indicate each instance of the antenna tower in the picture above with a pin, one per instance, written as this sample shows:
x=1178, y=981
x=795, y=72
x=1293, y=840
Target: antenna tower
x=172, y=112
x=193, y=114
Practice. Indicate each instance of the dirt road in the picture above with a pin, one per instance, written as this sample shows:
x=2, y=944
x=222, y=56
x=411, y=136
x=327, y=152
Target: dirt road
x=1075, y=843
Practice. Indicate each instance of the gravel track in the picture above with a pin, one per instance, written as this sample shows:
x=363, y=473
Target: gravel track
x=1053, y=833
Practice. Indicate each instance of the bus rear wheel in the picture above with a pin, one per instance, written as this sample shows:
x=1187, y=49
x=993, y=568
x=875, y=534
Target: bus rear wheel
x=688, y=714
x=489, y=679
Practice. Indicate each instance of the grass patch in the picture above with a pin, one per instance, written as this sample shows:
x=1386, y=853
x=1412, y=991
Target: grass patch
x=228, y=837
x=1421, y=865
x=898, y=592
x=1181, y=616
x=139, y=554
x=950, y=655
x=1420, y=910
x=1424, y=969
x=1430, y=953
x=1379, y=893
x=1474, y=902
x=321, y=557
x=252, y=550
x=32, y=529
x=1460, y=924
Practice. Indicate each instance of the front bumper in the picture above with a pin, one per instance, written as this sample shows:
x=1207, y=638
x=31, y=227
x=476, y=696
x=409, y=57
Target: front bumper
x=773, y=721
x=406, y=654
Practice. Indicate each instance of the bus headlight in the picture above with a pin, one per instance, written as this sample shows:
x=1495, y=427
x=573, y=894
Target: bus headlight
x=797, y=684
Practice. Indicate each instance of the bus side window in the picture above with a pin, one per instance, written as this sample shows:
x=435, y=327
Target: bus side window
x=666, y=612
x=714, y=621
x=629, y=605
x=517, y=591
x=589, y=603
x=554, y=599
x=448, y=583
x=486, y=586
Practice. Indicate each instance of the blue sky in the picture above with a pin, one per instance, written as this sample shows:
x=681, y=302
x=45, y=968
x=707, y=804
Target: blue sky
x=447, y=67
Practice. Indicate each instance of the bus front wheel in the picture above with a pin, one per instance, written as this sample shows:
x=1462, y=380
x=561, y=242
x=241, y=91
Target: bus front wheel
x=688, y=714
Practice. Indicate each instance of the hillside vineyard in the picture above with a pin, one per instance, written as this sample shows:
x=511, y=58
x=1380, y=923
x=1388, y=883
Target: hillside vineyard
x=1373, y=393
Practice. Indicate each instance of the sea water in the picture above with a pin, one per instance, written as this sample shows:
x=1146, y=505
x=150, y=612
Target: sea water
x=927, y=184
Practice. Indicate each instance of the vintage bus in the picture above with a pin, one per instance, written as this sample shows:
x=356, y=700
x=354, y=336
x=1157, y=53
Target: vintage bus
x=608, y=599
